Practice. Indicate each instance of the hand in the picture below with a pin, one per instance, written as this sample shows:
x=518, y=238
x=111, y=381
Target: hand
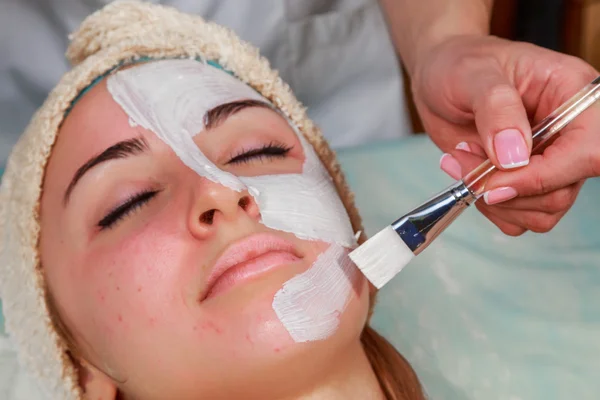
x=476, y=96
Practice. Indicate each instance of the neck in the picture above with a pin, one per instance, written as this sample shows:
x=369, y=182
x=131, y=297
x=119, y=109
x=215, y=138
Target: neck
x=353, y=378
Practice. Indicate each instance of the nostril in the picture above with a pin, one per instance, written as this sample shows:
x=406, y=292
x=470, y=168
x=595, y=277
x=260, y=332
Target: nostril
x=207, y=217
x=244, y=203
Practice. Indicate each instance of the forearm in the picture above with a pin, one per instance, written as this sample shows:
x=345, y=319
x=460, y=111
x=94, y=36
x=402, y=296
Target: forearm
x=418, y=25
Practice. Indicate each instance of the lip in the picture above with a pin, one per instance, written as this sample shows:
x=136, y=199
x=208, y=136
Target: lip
x=247, y=258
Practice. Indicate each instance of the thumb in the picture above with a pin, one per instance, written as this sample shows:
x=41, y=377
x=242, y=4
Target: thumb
x=563, y=163
x=501, y=120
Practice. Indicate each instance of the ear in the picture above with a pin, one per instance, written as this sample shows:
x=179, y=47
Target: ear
x=96, y=384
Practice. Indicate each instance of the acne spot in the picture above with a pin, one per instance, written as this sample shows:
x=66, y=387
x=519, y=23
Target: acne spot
x=152, y=321
x=211, y=326
x=139, y=289
x=118, y=288
x=277, y=349
x=249, y=339
x=120, y=318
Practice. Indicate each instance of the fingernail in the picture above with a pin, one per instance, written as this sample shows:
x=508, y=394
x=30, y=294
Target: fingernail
x=464, y=146
x=499, y=195
x=449, y=165
x=511, y=149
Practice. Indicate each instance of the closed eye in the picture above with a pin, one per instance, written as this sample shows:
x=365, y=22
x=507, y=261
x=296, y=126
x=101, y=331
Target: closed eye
x=124, y=210
x=268, y=151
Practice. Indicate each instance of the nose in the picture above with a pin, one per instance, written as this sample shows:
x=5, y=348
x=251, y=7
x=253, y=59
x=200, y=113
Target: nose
x=215, y=205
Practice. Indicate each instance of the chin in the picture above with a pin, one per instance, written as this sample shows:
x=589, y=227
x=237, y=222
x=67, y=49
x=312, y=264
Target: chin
x=248, y=310
x=238, y=345
x=256, y=351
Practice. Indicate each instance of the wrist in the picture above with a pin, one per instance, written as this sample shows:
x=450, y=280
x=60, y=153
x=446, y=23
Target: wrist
x=435, y=36
x=463, y=20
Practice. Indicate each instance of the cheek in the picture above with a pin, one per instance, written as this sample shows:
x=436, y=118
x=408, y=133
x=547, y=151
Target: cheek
x=251, y=332
x=354, y=317
x=332, y=295
x=243, y=324
x=136, y=283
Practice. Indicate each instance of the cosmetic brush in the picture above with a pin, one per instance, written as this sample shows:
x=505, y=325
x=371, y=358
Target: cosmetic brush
x=384, y=255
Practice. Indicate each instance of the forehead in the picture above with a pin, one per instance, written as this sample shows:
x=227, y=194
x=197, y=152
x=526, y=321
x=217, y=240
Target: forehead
x=183, y=89
x=99, y=120
x=95, y=122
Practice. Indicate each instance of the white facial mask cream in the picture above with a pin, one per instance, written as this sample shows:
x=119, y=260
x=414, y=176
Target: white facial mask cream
x=309, y=304
x=171, y=98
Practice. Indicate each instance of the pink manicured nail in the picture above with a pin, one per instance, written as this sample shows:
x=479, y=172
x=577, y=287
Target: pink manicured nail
x=464, y=146
x=499, y=195
x=511, y=149
x=449, y=165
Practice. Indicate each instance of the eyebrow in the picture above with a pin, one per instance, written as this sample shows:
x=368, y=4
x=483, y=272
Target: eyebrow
x=124, y=149
x=217, y=115
x=212, y=119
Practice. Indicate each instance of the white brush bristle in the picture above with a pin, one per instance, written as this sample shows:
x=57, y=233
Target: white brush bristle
x=382, y=257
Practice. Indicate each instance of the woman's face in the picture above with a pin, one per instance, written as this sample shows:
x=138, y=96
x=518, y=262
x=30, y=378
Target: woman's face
x=166, y=279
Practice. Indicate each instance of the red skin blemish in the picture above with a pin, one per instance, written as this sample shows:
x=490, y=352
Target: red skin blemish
x=249, y=339
x=120, y=318
x=277, y=349
x=152, y=321
x=212, y=327
x=139, y=289
x=118, y=288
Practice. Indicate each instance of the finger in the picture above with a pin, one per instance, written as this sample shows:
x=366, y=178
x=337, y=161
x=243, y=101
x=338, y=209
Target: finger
x=450, y=166
x=567, y=161
x=463, y=162
x=506, y=227
x=472, y=147
x=506, y=196
x=467, y=160
x=553, y=202
x=501, y=118
x=573, y=156
x=460, y=162
x=535, y=221
x=552, y=79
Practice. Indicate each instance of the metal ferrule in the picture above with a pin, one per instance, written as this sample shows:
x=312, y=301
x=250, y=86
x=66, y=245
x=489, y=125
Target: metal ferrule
x=422, y=225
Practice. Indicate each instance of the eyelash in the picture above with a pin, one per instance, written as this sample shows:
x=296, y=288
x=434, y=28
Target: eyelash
x=267, y=151
x=120, y=212
x=137, y=201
